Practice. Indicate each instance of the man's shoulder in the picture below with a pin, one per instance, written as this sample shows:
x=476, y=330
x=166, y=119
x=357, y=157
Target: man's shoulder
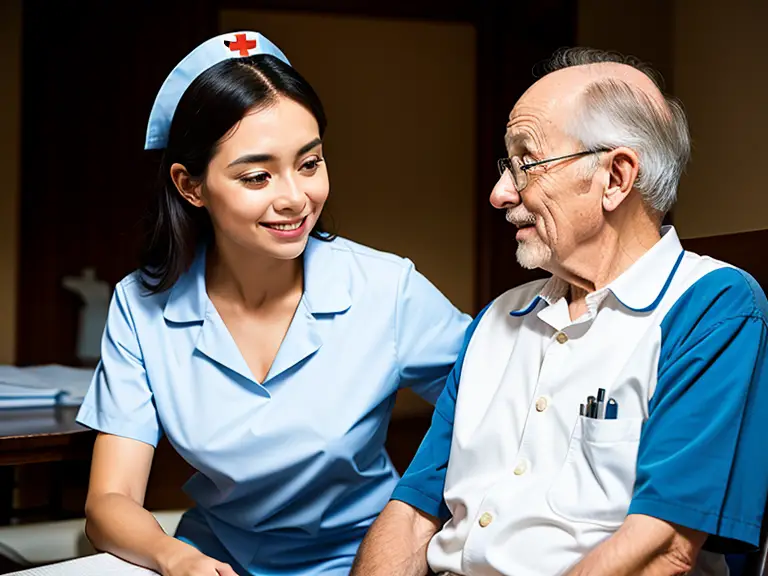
x=715, y=290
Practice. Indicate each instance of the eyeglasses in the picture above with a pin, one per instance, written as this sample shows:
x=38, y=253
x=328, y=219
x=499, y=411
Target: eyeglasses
x=519, y=171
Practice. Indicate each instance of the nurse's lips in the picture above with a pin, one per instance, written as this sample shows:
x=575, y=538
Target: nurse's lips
x=286, y=228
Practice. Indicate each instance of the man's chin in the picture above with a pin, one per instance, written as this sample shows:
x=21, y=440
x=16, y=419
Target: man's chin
x=532, y=255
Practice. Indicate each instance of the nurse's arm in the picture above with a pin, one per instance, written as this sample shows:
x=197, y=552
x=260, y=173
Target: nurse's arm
x=644, y=546
x=396, y=544
x=116, y=521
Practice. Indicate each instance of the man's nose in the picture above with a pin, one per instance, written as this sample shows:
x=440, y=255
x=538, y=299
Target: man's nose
x=504, y=194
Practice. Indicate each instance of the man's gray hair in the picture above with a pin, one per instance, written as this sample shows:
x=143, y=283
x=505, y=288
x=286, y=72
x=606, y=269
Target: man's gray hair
x=614, y=113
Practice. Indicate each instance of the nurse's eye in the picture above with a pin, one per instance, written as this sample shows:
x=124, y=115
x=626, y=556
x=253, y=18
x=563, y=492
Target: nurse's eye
x=310, y=166
x=258, y=179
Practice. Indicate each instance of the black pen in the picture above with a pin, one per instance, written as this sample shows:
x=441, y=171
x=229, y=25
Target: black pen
x=582, y=411
x=591, y=407
x=600, y=403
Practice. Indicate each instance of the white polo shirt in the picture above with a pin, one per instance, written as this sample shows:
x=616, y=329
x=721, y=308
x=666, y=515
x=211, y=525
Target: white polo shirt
x=527, y=486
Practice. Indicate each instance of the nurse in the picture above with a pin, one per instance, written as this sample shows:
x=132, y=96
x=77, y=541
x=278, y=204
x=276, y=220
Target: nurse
x=267, y=351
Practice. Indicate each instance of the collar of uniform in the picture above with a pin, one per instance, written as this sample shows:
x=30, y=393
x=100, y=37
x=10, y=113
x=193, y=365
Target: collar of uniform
x=188, y=299
x=326, y=279
x=552, y=291
x=326, y=285
x=642, y=286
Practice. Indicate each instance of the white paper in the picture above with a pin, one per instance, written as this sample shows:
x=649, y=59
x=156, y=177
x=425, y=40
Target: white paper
x=74, y=382
x=66, y=384
x=97, y=565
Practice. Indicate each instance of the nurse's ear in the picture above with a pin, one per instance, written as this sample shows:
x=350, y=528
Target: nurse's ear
x=189, y=188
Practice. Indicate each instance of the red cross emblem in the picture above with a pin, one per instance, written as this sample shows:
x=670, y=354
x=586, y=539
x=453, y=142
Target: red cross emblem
x=241, y=44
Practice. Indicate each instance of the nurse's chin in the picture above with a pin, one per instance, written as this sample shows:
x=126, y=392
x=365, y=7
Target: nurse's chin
x=286, y=250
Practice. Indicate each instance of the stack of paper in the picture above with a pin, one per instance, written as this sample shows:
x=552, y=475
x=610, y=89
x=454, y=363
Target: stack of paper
x=40, y=386
x=98, y=565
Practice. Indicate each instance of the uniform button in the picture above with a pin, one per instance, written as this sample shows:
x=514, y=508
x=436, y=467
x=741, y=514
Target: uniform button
x=485, y=519
x=521, y=468
x=561, y=337
x=541, y=404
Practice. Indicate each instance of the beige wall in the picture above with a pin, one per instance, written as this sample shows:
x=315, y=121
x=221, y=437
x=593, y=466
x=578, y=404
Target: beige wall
x=714, y=60
x=400, y=98
x=10, y=64
x=721, y=76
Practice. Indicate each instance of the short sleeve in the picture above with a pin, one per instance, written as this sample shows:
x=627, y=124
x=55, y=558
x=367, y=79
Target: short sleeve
x=423, y=483
x=119, y=400
x=702, y=461
x=429, y=331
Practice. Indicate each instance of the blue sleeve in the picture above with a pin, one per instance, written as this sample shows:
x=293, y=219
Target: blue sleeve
x=428, y=335
x=702, y=461
x=119, y=400
x=422, y=484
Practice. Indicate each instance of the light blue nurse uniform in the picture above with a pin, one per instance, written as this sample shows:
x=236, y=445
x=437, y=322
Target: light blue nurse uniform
x=292, y=470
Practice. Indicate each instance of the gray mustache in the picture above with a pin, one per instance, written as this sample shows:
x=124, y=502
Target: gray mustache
x=520, y=217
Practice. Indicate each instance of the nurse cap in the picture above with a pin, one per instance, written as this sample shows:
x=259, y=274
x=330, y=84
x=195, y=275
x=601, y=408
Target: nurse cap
x=208, y=54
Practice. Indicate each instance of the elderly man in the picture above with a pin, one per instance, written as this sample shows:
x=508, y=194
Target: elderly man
x=611, y=420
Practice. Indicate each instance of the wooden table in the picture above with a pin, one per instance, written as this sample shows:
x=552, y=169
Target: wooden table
x=43, y=435
x=38, y=435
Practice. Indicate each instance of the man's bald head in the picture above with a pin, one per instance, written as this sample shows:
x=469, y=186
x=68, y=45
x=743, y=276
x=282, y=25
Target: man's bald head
x=606, y=100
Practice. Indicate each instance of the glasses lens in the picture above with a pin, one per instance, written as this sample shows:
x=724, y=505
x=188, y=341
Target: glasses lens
x=503, y=164
x=519, y=175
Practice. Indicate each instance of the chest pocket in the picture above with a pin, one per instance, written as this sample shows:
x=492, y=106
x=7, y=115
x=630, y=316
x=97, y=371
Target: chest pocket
x=596, y=481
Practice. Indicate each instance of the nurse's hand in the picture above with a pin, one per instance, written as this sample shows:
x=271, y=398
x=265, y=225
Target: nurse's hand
x=195, y=563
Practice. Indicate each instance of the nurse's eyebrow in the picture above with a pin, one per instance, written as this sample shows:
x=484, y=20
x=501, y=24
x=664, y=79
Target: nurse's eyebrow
x=307, y=147
x=261, y=158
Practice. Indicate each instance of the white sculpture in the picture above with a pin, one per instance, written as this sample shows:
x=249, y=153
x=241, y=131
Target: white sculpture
x=93, y=314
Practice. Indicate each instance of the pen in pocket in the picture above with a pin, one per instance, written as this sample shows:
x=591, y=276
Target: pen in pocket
x=601, y=403
x=599, y=408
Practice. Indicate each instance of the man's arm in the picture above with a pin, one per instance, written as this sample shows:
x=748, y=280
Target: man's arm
x=644, y=546
x=396, y=544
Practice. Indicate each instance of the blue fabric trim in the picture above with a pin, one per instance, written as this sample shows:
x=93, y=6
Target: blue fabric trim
x=528, y=309
x=418, y=499
x=699, y=520
x=655, y=303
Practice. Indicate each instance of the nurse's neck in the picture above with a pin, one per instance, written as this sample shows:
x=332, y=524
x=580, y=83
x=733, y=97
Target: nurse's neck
x=252, y=281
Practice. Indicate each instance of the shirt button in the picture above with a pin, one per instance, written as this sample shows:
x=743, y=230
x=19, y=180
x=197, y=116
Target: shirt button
x=541, y=404
x=561, y=337
x=485, y=519
x=521, y=468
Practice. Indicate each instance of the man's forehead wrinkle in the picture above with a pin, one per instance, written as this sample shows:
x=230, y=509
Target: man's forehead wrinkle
x=526, y=128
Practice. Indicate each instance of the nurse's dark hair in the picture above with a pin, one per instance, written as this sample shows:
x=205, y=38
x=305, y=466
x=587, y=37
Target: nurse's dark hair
x=214, y=102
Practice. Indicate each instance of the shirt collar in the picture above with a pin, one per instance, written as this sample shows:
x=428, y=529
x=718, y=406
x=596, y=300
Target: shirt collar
x=326, y=285
x=188, y=299
x=640, y=288
x=326, y=278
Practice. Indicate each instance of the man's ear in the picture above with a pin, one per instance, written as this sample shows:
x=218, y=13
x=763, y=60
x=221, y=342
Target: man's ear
x=189, y=188
x=622, y=174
